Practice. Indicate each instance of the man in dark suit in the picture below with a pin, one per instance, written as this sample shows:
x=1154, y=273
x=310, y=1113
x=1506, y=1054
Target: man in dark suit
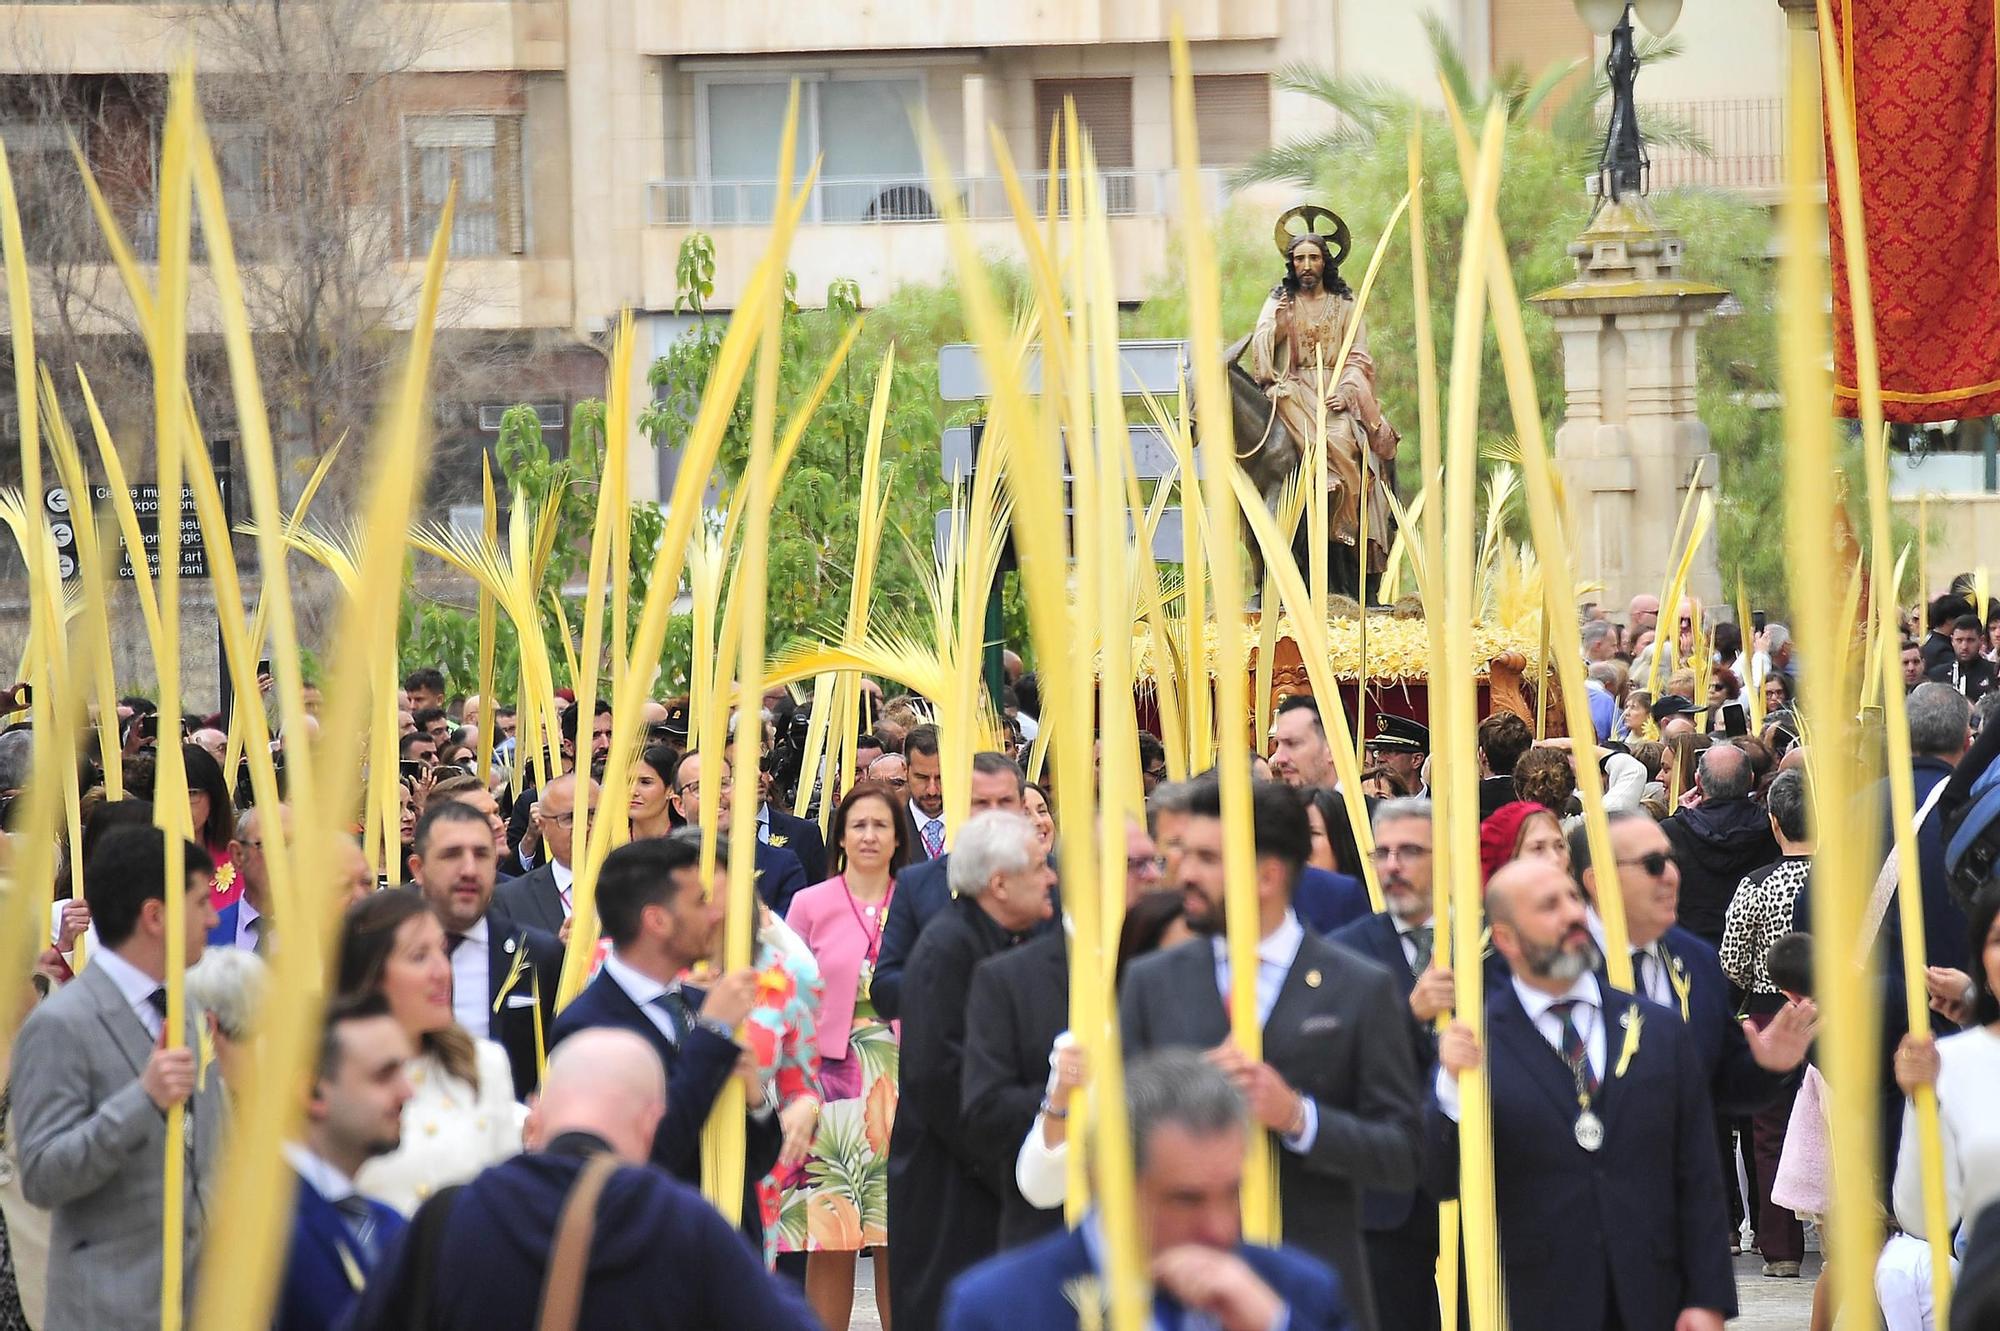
x=541, y=897
x=1400, y=1228
x=921, y=888
x=503, y=974
x=650, y=902
x=1338, y=1098
x=1746, y=1066
x=1018, y=1006
x=1187, y=1124
x=478, y=1257
x=778, y=828
x=1608, y=1192
x=1326, y=901
x=354, y=1114
x=944, y=1197
x=779, y=874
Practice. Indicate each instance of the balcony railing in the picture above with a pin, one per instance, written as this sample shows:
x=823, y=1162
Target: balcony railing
x=1746, y=141
x=881, y=200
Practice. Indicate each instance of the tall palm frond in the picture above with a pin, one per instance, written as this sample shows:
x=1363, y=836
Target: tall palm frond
x=1300, y=160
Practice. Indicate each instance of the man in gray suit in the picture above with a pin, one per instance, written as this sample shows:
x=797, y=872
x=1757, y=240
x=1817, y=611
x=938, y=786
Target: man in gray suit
x=541, y=897
x=1337, y=1086
x=92, y=1088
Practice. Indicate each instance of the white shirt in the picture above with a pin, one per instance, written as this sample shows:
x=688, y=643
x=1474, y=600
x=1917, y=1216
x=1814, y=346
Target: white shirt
x=325, y=1178
x=643, y=990
x=471, y=993
x=249, y=925
x=1276, y=952
x=134, y=984
x=1588, y=1016
x=764, y=823
x=1657, y=986
x=1968, y=1088
x=565, y=878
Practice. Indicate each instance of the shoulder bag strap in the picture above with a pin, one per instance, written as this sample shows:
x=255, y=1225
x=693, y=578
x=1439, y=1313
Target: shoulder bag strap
x=569, y=1258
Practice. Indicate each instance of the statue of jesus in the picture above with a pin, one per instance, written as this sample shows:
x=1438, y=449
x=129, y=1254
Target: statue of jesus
x=1301, y=329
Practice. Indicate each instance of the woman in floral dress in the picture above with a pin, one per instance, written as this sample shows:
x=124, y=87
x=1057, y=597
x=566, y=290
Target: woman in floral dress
x=841, y=1207
x=782, y=1035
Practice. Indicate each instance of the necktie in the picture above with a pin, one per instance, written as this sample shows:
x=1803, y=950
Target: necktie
x=1574, y=1051
x=1425, y=941
x=1642, y=971
x=451, y=942
x=934, y=838
x=674, y=1004
x=360, y=1220
x=157, y=1000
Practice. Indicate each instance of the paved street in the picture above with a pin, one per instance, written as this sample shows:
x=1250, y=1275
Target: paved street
x=1767, y=1305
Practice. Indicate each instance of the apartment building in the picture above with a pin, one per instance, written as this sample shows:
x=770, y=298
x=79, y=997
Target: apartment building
x=589, y=138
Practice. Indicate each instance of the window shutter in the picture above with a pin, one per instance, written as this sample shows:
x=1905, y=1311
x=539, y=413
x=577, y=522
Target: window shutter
x=1234, y=113
x=1103, y=109
x=510, y=186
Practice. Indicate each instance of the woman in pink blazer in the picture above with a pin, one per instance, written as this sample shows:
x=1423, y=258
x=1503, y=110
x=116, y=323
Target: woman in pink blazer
x=841, y=1208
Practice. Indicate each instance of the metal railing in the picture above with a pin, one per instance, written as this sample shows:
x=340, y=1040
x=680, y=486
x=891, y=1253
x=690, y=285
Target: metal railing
x=875, y=200
x=1746, y=141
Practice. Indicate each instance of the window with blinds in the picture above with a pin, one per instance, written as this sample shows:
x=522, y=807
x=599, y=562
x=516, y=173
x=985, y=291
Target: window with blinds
x=1104, y=112
x=1233, y=116
x=482, y=155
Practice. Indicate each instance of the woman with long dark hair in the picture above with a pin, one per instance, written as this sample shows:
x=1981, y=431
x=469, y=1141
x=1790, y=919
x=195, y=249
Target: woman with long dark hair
x=212, y=813
x=461, y=1116
x=650, y=806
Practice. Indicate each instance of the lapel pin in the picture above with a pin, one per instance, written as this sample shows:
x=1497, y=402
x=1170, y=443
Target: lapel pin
x=508, y=948
x=1312, y=979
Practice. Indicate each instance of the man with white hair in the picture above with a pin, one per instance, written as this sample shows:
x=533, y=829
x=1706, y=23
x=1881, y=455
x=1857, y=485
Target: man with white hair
x=478, y=1257
x=943, y=1210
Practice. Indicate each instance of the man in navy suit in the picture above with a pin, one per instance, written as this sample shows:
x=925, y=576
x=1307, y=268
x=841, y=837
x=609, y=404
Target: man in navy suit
x=1608, y=1189
x=476, y=1258
x=354, y=1114
x=921, y=889
x=1400, y=1229
x=649, y=900
x=1747, y=1067
x=503, y=973
x=1188, y=1126
x=779, y=873
x=779, y=829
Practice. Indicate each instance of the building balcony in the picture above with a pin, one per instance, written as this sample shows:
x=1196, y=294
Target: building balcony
x=1746, y=140
x=884, y=232
x=770, y=27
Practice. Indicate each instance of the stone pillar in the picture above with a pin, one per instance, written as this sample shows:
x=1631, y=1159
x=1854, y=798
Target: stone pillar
x=972, y=93
x=1631, y=440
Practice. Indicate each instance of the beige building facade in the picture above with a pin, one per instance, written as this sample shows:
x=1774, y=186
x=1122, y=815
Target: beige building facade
x=590, y=139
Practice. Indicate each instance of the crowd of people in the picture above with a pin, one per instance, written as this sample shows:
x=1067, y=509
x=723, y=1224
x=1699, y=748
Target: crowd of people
x=471, y=1156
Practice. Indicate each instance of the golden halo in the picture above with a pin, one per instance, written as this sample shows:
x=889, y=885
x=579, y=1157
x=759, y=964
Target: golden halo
x=1312, y=215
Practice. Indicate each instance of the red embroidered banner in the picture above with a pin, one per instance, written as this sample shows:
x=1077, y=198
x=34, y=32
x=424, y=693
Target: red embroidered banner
x=1923, y=72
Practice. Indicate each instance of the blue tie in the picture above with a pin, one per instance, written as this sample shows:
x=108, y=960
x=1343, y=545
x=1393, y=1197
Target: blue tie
x=360, y=1219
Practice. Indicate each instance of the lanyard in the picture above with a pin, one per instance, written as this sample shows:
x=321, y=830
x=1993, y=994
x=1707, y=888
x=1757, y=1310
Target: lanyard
x=874, y=936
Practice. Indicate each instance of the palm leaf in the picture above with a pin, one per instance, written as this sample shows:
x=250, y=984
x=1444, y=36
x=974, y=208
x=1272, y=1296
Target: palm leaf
x=1370, y=103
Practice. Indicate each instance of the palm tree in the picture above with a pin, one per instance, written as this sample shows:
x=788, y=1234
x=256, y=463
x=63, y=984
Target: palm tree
x=1371, y=109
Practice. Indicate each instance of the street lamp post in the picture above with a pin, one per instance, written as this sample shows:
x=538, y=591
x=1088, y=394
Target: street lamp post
x=1622, y=167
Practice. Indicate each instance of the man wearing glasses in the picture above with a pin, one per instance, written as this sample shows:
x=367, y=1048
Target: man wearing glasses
x=1400, y=1229
x=542, y=897
x=1748, y=1068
